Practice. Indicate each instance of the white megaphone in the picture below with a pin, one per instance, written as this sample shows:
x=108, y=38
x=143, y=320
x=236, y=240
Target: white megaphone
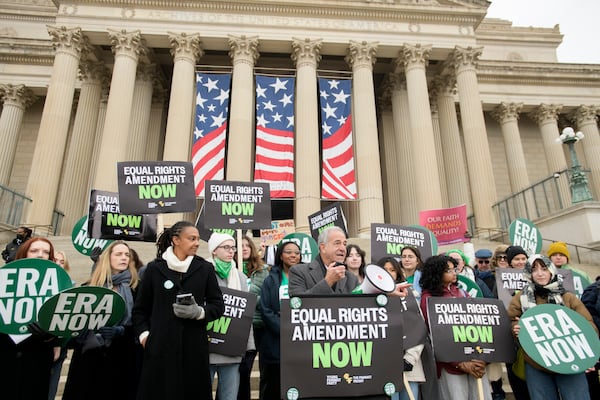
x=377, y=280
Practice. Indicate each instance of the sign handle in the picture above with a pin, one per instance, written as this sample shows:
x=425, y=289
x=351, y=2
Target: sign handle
x=480, y=388
x=240, y=256
x=411, y=396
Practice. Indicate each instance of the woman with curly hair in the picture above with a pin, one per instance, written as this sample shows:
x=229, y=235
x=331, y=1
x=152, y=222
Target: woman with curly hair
x=457, y=380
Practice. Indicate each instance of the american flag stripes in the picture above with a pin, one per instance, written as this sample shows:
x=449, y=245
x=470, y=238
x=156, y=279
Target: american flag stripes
x=275, y=134
x=210, y=128
x=338, y=178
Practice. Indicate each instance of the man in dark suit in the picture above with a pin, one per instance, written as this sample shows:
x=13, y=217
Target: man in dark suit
x=323, y=276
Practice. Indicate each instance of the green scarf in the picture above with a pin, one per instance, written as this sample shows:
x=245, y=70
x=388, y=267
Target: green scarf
x=222, y=268
x=245, y=267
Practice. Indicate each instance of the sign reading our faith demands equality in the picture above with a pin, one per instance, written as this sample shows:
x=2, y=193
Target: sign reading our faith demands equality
x=105, y=220
x=228, y=335
x=76, y=309
x=559, y=339
x=155, y=187
x=326, y=218
x=524, y=233
x=237, y=205
x=464, y=329
x=388, y=240
x=340, y=346
x=24, y=286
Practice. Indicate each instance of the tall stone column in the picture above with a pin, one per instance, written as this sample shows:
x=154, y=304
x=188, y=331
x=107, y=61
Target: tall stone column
x=414, y=60
x=306, y=53
x=74, y=191
x=44, y=176
x=186, y=50
x=128, y=48
x=439, y=154
x=479, y=159
x=243, y=53
x=409, y=211
x=140, y=112
x=98, y=136
x=15, y=99
x=155, y=125
x=507, y=115
x=586, y=118
x=361, y=57
x=454, y=158
x=389, y=164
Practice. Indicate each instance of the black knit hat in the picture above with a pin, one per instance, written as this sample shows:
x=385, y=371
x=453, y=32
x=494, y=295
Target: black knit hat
x=512, y=251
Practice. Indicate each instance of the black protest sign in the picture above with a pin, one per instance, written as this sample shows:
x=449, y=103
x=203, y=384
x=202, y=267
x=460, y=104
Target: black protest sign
x=567, y=278
x=326, y=218
x=388, y=240
x=413, y=324
x=204, y=232
x=105, y=220
x=77, y=309
x=156, y=187
x=228, y=335
x=464, y=329
x=24, y=287
x=559, y=339
x=508, y=282
x=237, y=205
x=341, y=346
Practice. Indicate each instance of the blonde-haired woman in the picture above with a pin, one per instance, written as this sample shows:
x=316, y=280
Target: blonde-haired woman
x=111, y=349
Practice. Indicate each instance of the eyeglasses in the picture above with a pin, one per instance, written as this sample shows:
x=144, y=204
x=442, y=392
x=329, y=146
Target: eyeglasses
x=294, y=252
x=483, y=261
x=501, y=258
x=226, y=248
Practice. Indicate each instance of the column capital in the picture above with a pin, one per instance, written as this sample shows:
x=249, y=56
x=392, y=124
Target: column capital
x=507, y=112
x=586, y=114
x=463, y=57
x=159, y=96
x=243, y=49
x=93, y=71
x=127, y=43
x=444, y=85
x=186, y=47
x=362, y=54
x=67, y=40
x=17, y=95
x=397, y=81
x=546, y=113
x=146, y=72
x=306, y=51
x=410, y=55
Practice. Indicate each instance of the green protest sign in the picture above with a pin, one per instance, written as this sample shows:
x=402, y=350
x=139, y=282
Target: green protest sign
x=24, y=286
x=308, y=246
x=76, y=309
x=469, y=286
x=559, y=339
x=82, y=242
x=524, y=233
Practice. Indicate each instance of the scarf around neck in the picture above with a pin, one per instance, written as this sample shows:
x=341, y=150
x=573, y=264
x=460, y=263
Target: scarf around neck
x=175, y=263
x=120, y=283
x=553, y=291
x=227, y=271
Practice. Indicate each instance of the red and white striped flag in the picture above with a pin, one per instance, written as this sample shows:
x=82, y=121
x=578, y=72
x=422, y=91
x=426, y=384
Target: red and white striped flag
x=274, y=162
x=210, y=128
x=338, y=178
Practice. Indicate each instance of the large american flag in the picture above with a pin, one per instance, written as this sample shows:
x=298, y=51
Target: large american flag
x=275, y=134
x=338, y=179
x=210, y=128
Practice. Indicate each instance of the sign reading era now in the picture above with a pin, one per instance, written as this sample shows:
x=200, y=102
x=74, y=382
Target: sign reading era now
x=76, y=309
x=25, y=285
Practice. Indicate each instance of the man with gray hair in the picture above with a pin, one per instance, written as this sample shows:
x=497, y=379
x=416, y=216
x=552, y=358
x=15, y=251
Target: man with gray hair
x=326, y=274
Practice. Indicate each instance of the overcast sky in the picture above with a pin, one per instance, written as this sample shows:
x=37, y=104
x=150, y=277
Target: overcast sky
x=579, y=22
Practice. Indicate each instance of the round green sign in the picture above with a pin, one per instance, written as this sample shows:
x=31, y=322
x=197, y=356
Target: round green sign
x=76, y=309
x=24, y=286
x=81, y=241
x=524, y=233
x=559, y=339
x=308, y=246
x=469, y=286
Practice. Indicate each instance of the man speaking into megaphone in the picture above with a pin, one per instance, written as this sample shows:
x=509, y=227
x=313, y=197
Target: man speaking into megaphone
x=326, y=274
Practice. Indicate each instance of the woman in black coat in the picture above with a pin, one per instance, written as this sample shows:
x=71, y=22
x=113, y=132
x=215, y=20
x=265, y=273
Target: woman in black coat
x=174, y=334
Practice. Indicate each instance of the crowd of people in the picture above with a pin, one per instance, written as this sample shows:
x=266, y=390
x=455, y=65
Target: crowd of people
x=160, y=348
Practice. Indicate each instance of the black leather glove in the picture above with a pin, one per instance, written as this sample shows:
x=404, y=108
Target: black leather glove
x=95, y=254
x=108, y=333
x=407, y=366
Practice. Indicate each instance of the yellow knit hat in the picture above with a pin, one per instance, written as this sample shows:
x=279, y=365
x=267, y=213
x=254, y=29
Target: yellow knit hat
x=559, y=247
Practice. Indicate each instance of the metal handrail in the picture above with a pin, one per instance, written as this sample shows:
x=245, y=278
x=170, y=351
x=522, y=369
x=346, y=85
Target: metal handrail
x=13, y=206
